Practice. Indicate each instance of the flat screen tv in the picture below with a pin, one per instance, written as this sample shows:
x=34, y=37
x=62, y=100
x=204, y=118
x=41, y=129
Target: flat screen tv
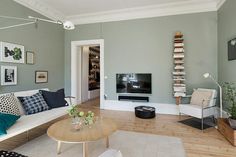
x=134, y=83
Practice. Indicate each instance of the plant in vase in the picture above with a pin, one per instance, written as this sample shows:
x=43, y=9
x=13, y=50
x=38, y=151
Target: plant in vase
x=77, y=117
x=230, y=100
x=89, y=118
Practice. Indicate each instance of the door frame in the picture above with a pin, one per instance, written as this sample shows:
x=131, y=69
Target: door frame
x=76, y=64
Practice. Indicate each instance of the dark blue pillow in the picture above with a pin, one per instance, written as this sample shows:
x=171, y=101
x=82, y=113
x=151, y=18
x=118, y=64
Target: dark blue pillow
x=54, y=99
x=6, y=121
x=34, y=104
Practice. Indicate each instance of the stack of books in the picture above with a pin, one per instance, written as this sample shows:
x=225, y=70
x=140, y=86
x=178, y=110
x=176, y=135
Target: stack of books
x=179, y=86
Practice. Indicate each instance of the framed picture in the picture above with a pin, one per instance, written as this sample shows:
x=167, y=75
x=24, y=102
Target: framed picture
x=232, y=49
x=12, y=53
x=41, y=76
x=30, y=57
x=8, y=75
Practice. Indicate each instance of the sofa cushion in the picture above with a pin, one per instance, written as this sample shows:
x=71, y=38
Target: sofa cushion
x=6, y=121
x=201, y=98
x=34, y=104
x=9, y=104
x=54, y=99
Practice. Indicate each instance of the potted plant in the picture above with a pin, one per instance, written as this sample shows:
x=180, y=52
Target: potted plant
x=230, y=100
x=77, y=116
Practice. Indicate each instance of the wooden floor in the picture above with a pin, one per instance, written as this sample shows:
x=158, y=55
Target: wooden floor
x=197, y=144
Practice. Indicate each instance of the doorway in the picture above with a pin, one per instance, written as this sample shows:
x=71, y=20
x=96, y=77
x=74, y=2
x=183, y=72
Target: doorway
x=77, y=77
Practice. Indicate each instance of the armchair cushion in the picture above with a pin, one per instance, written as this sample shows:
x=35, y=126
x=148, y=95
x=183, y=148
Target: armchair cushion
x=200, y=97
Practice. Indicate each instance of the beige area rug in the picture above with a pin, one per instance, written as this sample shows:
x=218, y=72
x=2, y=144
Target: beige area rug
x=131, y=144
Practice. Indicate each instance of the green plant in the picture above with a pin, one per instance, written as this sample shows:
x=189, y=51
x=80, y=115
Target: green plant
x=89, y=118
x=230, y=98
x=74, y=111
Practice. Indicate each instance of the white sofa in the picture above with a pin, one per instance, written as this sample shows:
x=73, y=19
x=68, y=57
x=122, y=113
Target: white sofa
x=28, y=122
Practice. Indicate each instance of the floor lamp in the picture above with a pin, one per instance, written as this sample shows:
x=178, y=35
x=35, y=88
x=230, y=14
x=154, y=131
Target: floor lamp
x=207, y=75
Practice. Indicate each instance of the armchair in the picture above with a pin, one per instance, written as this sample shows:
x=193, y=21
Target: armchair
x=202, y=104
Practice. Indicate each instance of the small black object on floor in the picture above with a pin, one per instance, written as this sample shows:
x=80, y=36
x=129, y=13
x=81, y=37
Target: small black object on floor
x=4, y=153
x=197, y=123
x=145, y=112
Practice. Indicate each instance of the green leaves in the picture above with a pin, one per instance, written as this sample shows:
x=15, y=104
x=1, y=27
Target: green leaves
x=229, y=90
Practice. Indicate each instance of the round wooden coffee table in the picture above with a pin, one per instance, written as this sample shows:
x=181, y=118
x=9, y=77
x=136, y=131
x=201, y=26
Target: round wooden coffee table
x=63, y=132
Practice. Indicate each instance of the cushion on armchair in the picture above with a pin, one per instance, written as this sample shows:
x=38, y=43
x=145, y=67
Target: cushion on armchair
x=201, y=98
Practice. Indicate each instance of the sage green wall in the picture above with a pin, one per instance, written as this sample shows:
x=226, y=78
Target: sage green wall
x=47, y=41
x=226, y=31
x=145, y=46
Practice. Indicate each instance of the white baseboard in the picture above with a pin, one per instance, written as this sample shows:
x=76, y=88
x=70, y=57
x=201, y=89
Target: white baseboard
x=161, y=108
x=129, y=106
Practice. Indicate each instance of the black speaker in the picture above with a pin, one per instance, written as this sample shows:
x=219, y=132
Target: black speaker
x=133, y=98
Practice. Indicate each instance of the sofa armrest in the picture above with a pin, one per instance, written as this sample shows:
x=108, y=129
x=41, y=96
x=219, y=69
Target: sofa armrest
x=68, y=100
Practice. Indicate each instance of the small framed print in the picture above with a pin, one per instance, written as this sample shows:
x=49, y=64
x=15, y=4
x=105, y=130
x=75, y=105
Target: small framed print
x=30, y=57
x=8, y=75
x=41, y=76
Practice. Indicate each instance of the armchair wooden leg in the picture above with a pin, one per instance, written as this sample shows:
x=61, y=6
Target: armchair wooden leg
x=202, y=124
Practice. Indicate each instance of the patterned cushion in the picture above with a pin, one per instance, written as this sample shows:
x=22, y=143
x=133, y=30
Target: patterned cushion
x=34, y=104
x=10, y=154
x=9, y=104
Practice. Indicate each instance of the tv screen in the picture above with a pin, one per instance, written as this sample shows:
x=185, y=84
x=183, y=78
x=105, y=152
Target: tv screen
x=134, y=83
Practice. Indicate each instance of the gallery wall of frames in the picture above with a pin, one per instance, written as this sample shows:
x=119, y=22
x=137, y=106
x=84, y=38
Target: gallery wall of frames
x=13, y=54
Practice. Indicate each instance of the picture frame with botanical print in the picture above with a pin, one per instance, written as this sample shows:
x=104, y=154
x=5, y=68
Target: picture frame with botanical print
x=8, y=75
x=30, y=57
x=12, y=53
x=41, y=76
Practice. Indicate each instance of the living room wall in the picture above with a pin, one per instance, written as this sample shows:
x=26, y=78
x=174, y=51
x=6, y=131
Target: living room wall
x=146, y=46
x=47, y=41
x=226, y=32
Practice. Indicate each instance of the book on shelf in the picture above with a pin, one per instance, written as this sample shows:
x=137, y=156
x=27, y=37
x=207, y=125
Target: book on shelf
x=180, y=61
x=179, y=85
x=179, y=50
x=178, y=77
x=177, y=94
x=179, y=73
x=179, y=67
x=179, y=55
x=179, y=40
x=178, y=44
x=179, y=89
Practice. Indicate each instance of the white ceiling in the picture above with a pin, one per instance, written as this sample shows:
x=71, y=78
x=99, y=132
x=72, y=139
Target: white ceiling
x=93, y=11
x=76, y=7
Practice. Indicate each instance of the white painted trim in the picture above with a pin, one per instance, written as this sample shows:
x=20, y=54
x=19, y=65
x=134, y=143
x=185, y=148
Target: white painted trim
x=185, y=7
x=176, y=8
x=42, y=8
x=161, y=108
x=220, y=3
x=75, y=65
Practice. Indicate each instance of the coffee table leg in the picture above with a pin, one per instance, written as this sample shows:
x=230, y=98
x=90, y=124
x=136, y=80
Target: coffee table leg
x=107, y=142
x=59, y=147
x=85, y=149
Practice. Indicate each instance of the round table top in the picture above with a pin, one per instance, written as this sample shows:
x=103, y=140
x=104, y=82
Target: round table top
x=64, y=132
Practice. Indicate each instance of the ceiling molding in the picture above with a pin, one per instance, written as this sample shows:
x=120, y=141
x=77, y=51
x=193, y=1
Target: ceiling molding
x=42, y=8
x=220, y=3
x=146, y=12
x=177, y=8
